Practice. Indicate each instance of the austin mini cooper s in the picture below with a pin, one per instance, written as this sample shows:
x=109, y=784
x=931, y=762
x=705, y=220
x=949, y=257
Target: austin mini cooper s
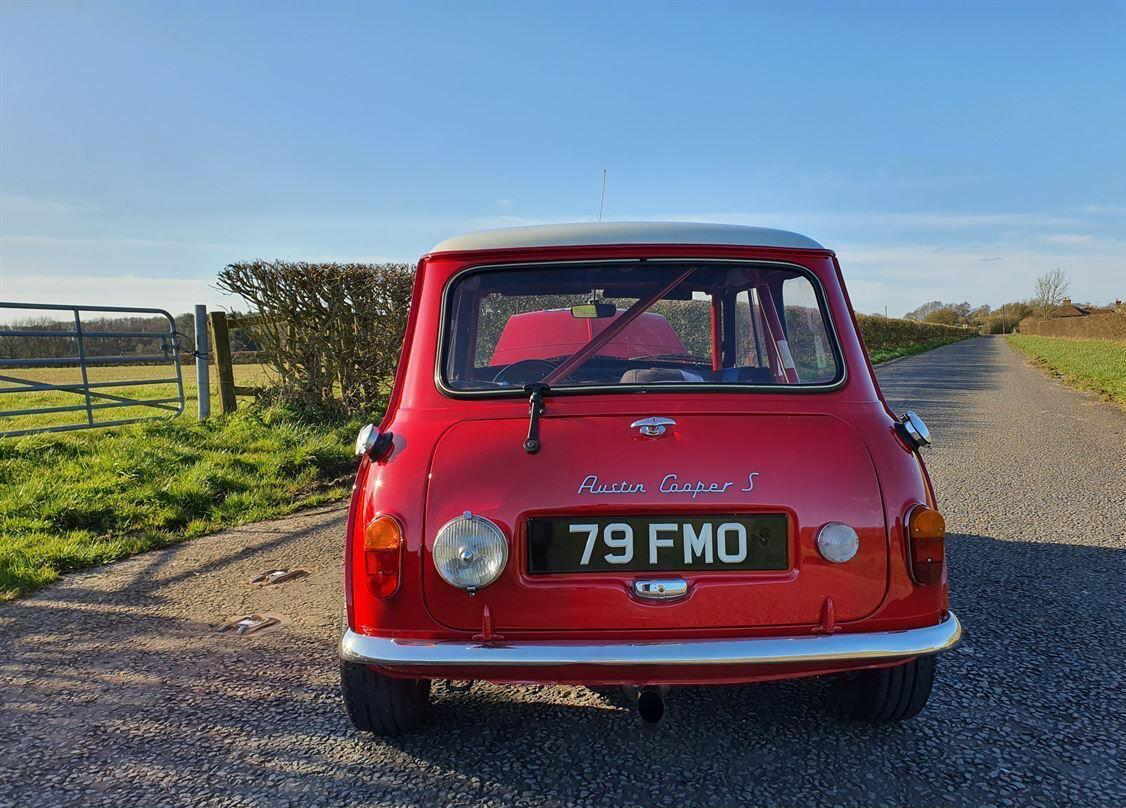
x=639, y=455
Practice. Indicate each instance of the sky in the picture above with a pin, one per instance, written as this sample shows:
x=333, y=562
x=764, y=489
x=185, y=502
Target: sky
x=950, y=151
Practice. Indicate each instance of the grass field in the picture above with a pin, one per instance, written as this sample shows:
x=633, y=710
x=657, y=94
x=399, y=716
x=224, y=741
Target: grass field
x=245, y=375
x=1091, y=364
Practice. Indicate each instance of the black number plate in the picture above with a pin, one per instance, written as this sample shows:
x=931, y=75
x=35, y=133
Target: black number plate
x=658, y=543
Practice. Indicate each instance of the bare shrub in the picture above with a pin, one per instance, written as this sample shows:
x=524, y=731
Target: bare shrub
x=332, y=332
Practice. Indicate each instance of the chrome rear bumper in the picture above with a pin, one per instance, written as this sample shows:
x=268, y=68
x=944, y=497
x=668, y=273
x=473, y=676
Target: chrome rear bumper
x=877, y=645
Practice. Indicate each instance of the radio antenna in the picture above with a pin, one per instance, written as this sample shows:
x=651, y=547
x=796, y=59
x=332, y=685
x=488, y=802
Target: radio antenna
x=602, y=199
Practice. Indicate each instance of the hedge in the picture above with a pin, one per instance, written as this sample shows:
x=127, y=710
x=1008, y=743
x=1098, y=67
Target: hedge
x=884, y=333
x=1094, y=326
x=332, y=332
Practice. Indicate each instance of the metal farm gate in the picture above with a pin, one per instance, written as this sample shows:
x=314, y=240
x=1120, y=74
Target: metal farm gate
x=89, y=346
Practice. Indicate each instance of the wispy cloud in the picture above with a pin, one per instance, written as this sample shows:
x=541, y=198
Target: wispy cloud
x=36, y=205
x=903, y=276
x=1106, y=210
x=114, y=242
x=1069, y=238
x=896, y=259
x=925, y=220
x=174, y=294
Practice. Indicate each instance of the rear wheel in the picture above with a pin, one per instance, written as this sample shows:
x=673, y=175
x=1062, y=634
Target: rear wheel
x=883, y=695
x=383, y=705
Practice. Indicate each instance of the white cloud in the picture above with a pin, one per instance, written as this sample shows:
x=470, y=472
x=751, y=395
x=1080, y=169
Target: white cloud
x=112, y=242
x=1070, y=238
x=902, y=277
x=1107, y=210
x=937, y=220
x=894, y=259
x=176, y=295
x=900, y=260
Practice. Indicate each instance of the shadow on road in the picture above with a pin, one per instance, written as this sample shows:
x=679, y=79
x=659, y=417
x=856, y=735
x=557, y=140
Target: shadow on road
x=1034, y=690
x=935, y=384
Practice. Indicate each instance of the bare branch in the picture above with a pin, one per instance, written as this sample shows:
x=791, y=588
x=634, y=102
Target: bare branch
x=1051, y=290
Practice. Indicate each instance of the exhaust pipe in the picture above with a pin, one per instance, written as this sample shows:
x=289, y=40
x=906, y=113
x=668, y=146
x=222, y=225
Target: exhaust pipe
x=649, y=702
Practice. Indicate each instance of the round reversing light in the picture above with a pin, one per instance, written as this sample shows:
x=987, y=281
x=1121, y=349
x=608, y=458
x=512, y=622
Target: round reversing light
x=470, y=552
x=837, y=542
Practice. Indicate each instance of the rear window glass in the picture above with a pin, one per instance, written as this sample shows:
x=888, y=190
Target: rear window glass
x=635, y=324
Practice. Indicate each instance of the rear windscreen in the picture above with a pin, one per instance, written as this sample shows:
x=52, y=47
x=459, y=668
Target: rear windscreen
x=637, y=324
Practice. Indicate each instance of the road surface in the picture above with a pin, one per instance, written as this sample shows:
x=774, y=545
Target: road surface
x=114, y=691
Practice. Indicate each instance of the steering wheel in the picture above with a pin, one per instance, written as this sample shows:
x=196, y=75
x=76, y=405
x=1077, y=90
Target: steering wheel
x=525, y=371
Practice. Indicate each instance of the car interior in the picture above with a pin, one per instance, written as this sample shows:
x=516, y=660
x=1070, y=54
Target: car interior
x=636, y=324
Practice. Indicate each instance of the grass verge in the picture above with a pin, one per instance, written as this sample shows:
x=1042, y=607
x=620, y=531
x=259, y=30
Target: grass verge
x=1098, y=365
x=74, y=500
x=886, y=354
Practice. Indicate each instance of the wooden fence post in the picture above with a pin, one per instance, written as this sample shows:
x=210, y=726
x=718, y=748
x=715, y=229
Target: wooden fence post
x=224, y=369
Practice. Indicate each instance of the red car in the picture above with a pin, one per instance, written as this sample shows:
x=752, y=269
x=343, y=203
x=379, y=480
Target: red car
x=640, y=455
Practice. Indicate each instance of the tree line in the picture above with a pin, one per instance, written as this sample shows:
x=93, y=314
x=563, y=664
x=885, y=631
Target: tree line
x=35, y=346
x=1049, y=293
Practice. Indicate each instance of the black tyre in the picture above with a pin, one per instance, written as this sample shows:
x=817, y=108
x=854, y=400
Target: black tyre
x=381, y=704
x=883, y=695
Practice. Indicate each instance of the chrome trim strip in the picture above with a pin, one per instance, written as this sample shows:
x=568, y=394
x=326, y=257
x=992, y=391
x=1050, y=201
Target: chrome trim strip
x=812, y=649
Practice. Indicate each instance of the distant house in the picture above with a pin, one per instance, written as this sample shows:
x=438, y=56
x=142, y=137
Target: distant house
x=1069, y=309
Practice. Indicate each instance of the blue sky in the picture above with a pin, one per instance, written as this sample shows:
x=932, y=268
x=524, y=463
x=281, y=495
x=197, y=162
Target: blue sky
x=950, y=150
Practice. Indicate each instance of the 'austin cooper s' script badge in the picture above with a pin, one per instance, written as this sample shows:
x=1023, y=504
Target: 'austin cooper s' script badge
x=669, y=484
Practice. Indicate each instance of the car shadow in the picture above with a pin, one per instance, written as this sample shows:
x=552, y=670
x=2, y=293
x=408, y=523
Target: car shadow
x=1042, y=663
x=1031, y=698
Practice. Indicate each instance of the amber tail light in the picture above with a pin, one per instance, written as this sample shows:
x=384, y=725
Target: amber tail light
x=926, y=533
x=383, y=545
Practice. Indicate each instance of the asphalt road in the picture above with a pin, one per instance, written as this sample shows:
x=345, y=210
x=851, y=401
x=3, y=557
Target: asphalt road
x=114, y=691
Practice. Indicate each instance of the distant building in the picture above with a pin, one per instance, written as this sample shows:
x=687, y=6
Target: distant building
x=1069, y=309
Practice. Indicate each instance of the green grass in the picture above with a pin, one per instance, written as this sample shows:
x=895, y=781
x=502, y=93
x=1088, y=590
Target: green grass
x=75, y=499
x=245, y=375
x=886, y=354
x=1097, y=365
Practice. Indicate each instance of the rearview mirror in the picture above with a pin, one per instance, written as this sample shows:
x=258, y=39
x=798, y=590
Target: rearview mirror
x=594, y=311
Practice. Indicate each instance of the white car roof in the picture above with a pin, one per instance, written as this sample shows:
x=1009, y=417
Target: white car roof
x=571, y=235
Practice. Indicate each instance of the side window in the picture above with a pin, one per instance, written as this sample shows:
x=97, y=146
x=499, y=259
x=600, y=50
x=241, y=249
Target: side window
x=750, y=351
x=806, y=333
